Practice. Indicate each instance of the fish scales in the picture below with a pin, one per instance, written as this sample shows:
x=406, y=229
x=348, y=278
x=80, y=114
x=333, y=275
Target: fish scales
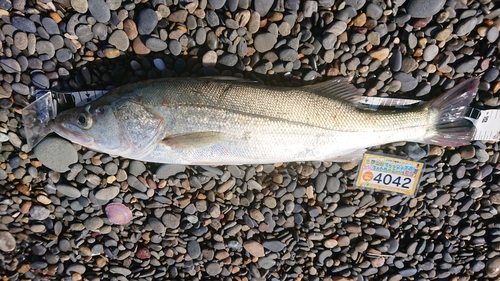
x=221, y=121
x=290, y=104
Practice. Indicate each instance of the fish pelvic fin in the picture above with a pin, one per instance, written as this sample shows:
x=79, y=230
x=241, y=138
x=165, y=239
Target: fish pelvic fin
x=193, y=140
x=448, y=115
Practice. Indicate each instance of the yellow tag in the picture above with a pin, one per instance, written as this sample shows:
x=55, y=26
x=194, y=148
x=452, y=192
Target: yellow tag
x=389, y=173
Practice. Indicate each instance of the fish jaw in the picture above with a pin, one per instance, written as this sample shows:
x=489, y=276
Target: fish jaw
x=71, y=132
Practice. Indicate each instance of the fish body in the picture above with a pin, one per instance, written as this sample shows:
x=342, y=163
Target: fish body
x=217, y=121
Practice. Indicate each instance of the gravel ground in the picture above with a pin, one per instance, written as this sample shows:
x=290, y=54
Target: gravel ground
x=74, y=214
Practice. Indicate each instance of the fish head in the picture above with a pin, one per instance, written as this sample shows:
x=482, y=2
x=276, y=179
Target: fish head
x=94, y=126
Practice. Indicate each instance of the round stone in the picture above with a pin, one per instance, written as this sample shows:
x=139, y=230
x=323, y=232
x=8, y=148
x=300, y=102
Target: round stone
x=81, y=6
x=264, y=42
x=64, y=54
x=7, y=241
x=94, y=223
x=56, y=154
x=21, y=40
x=39, y=213
x=209, y=59
x=155, y=44
x=45, y=47
x=99, y=10
x=213, y=269
x=430, y=52
x=40, y=80
x=345, y=211
x=119, y=39
x=147, y=21
x=107, y=193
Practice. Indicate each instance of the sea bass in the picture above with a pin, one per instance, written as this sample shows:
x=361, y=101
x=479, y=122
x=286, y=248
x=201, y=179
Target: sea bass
x=218, y=121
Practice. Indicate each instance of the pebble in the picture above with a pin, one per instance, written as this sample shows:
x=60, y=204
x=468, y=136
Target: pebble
x=81, y=6
x=99, y=10
x=120, y=40
x=108, y=193
x=262, y=7
x=171, y=221
x=23, y=24
x=424, y=8
x=209, y=59
x=213, y=269
x=254, y=248
x=466, y=66
x=39, y=213
x=155, y=44
x=193, y=249
x=493, y=267
x=7, y=242
x=94, y=223
x=380, y=54
x=430, y=52
x=466, y=26
x=56, y=153
x=374, y=11
x=68, y=190
x=10, y=65
x=266, y=263
x=345, y=211
x=147, y=21
x=408, y=82
x=264, y=42
x=168, y=170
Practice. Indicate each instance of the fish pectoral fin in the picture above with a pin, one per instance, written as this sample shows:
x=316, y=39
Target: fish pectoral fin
x=193, y=140
x=338, y=89
x=355, y=155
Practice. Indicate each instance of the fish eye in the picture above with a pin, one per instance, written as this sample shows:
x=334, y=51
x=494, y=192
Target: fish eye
x=84, y=121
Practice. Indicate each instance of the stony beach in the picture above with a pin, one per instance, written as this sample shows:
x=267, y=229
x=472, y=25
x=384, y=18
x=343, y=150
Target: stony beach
x=69, y=213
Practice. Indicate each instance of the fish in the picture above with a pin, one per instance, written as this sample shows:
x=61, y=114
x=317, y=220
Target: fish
x=227, y=120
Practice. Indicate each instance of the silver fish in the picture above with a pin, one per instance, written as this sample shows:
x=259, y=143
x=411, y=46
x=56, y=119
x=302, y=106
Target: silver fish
x=216, y=121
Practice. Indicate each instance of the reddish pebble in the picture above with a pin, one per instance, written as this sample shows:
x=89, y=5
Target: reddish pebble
x=143, y=253
x=420, y=23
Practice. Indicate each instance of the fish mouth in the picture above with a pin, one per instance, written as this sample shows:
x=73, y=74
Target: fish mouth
x=68, y=131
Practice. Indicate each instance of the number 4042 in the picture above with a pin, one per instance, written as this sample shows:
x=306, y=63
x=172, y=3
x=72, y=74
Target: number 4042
x=388, y=179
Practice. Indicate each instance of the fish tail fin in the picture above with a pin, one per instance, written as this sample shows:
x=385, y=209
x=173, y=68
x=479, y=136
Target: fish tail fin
x=448, y=115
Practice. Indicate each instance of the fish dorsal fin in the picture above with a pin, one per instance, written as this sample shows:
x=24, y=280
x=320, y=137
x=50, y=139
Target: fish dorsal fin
x=338, y=89
x=193, y=140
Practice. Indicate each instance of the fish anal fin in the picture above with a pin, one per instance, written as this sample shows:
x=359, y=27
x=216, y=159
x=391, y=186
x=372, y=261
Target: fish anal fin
x=337, y=88
x=193, y=140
